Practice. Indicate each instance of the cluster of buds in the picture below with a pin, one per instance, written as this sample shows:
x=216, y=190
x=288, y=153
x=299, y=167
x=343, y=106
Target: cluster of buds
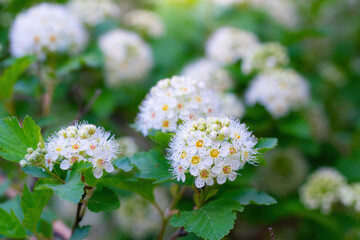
x=34, y=157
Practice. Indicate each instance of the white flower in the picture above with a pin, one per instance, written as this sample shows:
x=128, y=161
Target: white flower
x=46, y=28
x=173, y=101
x=350, y=195
x=128, y=146
x=228, y=45
x=94, y=12
x=82, y=142
x=279, y=91
x=231, y=105
x=211, y=148
x=146, y=21
x=322, y=189
x=209, y=72
x=127, y=57
x=267, y=56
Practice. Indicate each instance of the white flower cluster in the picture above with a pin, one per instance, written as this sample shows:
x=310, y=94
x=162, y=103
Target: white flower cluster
x=321, y=190
x=228, y=45
x=127, y=57
x=93, y=12
x=211, y=148
x=209, y=72
x=279, y=91
x=266, y=56
x=128, y=146
x=286, y=169
x=231, y=105
x=46, y=28
x=145, y=21
x=34, y=157
x=350, y=195
x=82, y=142
x=175, y=100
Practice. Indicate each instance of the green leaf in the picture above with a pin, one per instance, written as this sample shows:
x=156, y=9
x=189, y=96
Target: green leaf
x=212, y=221
x=144, y=188
x=80, y=233
x=10, y=225
x=103, y=200
x=160, y=138
x=45, y=228
x=11, y=75
x=35, y=171
x=13, y=205
x=4, y=186
x=124, y=164
x=32, y=205
x=71, y=191
x=266, y=144
x=15, y=140
x=249, y=196
x=152, y=165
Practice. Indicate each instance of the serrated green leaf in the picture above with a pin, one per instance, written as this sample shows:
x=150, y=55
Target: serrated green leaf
x=44, y=228
x=35, y=171
x=11, y=75
x=212, y=221
x=80, y=233
x=266, y=144
x=10, y=225
x=151, y=165
x=144, y=188
x=15, y=140
x=13, y=205
x=32, y=204
x=248, y=196
x=160, y=138
x=103, y=200
x=124, y=164
x=71, y=191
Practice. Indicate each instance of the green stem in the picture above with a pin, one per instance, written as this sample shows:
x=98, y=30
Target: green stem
x=53, y=175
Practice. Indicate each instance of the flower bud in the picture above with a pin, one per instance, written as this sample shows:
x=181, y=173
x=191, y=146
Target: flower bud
x=71, y=134
x=225, y=131
x=225, y=122
x=213, y=135
x=72, y=128
x=62, y=133
x=30, y=150
x=23, y=163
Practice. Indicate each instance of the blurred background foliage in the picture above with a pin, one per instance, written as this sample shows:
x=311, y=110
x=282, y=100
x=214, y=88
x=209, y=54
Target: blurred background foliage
x=324, y=47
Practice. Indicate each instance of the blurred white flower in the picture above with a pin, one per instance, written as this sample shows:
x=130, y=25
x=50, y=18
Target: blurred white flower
x=322, y=189
x=279, y=91
x=145, y=21
x=285, y=170
x=46, y=28
x=82, y=142
x=330, y=73
x=228, y=45
x=175, y=100
x=211, y=148
x=209, y=72
x=92, y=12
x=231, y=105
x=128, y=58
x=266, y=56
x=128, y=146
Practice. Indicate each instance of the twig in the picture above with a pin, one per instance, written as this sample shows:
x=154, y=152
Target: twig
x=81, y=207
x=272, y=235
x=179, y=233
x=54, y=175
x=88, y=106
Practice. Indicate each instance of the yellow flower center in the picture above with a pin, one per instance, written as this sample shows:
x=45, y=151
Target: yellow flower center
x=232, y=150
x=204, y=174
x=100, y=162
x=237, y=136
x=183, y=154
x=92, y=147
x=75, y=146
x=199, y=143
x=165, y=107
x=246, y=155
x=166, y=123
x=198, y=98
x=58, y=149
x=214, y=153
x=195, y=160
x=226, y=169
x=74, y=159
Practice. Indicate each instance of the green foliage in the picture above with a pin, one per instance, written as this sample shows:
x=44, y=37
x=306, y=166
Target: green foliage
x=15, y=140
x=12, y=74
x=71, y=191
x=160, y=138
x=44, y=228
x=32, y=205
x=266, y=144
x=80, y=233
x=35, y=171
x=103, y=200
x=151, y=165
x=212, y=221
x=248, y=196
x=10, y=225
x=124, y=164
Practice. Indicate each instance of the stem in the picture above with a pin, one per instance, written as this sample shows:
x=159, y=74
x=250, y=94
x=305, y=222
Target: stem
x=53, y=175
x=88, y=106
x=81, y=207
x=47, y=98
x=272, y=235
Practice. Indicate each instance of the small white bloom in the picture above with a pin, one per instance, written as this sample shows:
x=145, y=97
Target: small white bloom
x=215, y=154
x=173, y=101
x=279, y=91
x=128, y=58
x=145, y=21
x=231, y=105
x=46, y=28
